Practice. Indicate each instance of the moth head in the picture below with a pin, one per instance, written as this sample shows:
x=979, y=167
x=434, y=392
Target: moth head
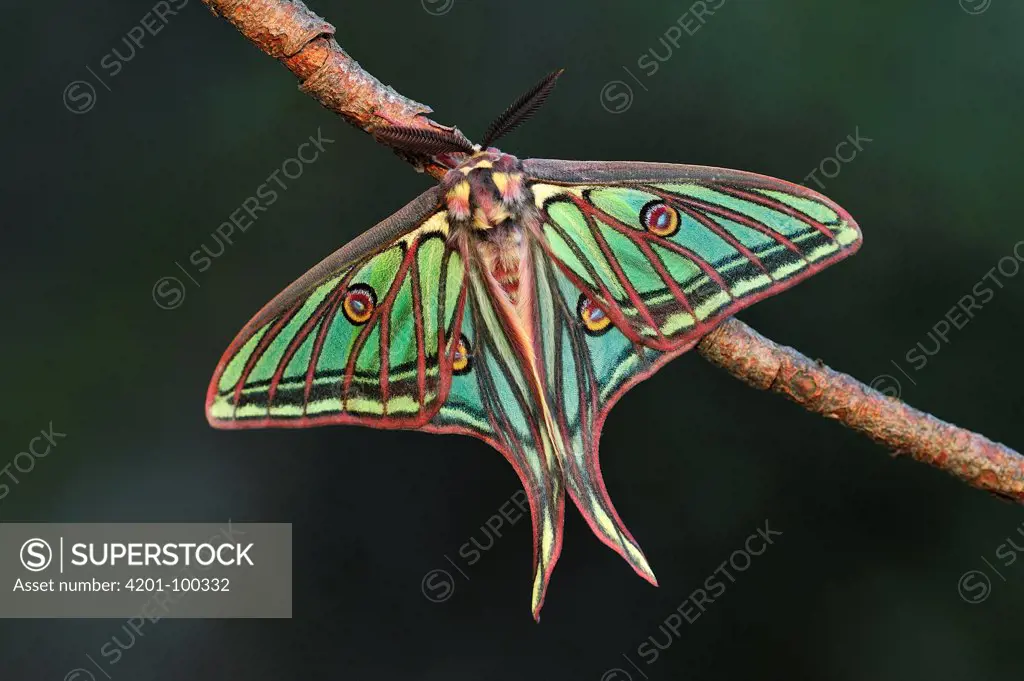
x=485, y=191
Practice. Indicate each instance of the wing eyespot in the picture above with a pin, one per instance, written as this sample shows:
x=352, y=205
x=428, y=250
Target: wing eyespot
x=660, y=219
x=359, y=304
x=462, y=362
x=595, y=321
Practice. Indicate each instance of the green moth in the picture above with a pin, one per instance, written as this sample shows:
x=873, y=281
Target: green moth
x=518, y=301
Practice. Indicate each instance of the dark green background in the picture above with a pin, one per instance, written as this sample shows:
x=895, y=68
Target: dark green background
x=863, y=582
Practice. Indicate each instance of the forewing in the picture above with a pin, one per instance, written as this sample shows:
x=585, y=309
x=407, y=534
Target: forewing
x=363, y=338
x=668, y=251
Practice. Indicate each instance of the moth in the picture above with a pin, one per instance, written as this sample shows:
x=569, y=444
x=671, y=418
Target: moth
x=517, y=301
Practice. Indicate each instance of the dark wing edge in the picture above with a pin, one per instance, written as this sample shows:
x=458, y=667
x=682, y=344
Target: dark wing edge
x=611, y=172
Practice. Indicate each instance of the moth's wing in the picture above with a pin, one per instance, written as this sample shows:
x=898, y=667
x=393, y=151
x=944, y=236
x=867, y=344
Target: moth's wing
x=616, y=302
x=491, y=398
x=584, y=369
x=362, y=338
x=725, y=240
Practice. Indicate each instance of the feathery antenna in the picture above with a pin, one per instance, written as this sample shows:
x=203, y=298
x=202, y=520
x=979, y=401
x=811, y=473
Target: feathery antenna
x=424, y=142
x=521, y=109
x=427, y=142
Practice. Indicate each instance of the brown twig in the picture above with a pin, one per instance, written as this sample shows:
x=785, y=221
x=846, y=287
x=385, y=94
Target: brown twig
x=288, y=31
x=766, y=365
x=302, y=41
